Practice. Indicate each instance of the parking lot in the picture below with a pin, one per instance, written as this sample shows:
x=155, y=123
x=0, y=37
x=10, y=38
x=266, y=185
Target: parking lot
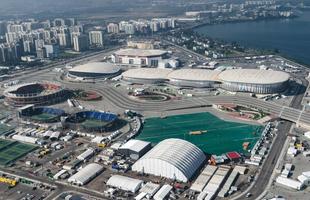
x=21, y=192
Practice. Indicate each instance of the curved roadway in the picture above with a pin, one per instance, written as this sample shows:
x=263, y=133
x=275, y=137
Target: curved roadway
x=292, y=113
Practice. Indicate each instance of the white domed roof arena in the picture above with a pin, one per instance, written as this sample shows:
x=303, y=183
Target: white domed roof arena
x=243, y=80
x=254, y=80
x=171, y=158
x=95, y=70
x=146, y=75
x=193, y=77
x=254, y=76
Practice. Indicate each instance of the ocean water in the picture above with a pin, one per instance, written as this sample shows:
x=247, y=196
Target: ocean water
x=290, y=36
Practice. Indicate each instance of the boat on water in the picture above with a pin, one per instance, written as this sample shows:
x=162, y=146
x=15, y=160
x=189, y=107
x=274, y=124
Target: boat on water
x=197, y=132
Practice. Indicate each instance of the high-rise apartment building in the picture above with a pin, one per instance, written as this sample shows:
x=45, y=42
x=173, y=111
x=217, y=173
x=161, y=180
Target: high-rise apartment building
x=96, y=38
x=80, y=43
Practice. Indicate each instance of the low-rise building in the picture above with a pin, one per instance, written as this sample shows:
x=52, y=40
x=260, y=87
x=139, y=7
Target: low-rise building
x=86, y=174
x=125, y=183
x=135, y=148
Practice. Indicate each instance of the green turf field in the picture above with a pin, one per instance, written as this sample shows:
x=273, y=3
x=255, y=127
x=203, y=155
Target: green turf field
x=92, y=123
x=5, y=143
x=10, y=151
x=4, y=129
x=43, y=117
x=221, y=136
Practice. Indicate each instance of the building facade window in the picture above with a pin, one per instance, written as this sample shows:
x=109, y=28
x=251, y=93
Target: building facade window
x=143, y=61
x=154, y=63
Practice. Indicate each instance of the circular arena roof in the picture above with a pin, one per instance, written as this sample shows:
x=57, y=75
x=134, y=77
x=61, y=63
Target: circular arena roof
x=171, y=158
x=147, y=73
x=194, y=75
x=140, y=52
x=254, y=76
x=96, y=68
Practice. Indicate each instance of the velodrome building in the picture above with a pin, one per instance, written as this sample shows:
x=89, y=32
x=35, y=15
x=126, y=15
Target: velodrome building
x=236, y=80
x=94, y=70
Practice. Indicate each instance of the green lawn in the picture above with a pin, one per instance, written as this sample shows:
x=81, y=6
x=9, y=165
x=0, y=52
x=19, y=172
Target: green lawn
x=43, y=117
x=4, y=129
x=221, y=136
x=93, y=123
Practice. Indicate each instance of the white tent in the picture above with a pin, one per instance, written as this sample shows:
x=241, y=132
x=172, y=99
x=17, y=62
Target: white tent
x=125, y=183
x=86, y=174
x=171, y=158
x=289, y=183
x=307, y=134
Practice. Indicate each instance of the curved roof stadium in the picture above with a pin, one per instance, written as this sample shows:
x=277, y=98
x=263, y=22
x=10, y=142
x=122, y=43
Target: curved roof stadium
x=171, y=158
x=245, y=80
x=146, y=75
x=193, y=77
x=95, y=69
x=254, y=76
x=140, y=52
x=194, y=74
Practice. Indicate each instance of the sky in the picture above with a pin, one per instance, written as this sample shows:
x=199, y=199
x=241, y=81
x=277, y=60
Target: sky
x=10, y=7
x=41, y=8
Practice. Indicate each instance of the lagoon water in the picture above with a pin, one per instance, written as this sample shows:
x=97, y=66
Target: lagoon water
x=290, y=36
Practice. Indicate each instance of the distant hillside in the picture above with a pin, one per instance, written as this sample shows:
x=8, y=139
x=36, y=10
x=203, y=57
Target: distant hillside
x=91, y=8
x=12, y=8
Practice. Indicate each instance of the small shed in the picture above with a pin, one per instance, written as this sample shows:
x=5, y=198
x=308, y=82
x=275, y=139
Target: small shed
x=233, y=156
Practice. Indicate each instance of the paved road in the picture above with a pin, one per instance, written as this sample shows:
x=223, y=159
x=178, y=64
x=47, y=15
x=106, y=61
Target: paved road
x=42, y=70
x=275, y=151
x=121, y=100
x=270, y=162
x=202, y=57
x=291, y=113
x=61, y=187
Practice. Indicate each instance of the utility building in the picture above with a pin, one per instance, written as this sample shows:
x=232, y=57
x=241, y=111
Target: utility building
x=135, y=148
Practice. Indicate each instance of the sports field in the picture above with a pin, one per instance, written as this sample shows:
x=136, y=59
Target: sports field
x=10, y=151
x=220, y=136
x=5, y=129
x=93, y=123
x=43, y=117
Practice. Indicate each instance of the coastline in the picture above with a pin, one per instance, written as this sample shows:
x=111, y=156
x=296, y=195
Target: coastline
x=291, y=45
x=242, y=21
